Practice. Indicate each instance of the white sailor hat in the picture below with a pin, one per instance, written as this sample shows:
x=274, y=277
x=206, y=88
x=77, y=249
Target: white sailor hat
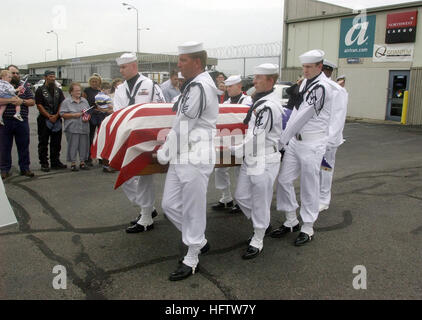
x=341, y=77
x=180, y=76
x=233, y=80
x=191, y=47
x=126, y=58
x=329, y=64
x=266, y=68
x=313, y=56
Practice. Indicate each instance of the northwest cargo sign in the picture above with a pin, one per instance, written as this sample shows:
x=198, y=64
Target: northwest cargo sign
x=401, y=27
x=357, y=37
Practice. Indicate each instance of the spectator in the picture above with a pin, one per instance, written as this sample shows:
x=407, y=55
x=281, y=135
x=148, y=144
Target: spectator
x=295, y=98
x=220, y=78
x=181, y=80
x=104, y=104
x=222, y=95
x=114, y=84
x=76, y=126
x=48, y=98
x=89, y=94
x=15, y=129
x=170, y=87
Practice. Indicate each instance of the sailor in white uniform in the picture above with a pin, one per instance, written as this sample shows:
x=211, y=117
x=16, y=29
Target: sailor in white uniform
x=254, y=190
x=137, y=89
x=222, y=175
x=190, y=150
x=306, y=135
x=335, y=137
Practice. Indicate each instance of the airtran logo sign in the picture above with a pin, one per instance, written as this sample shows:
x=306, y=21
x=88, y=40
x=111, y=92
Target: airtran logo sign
x=357, y=37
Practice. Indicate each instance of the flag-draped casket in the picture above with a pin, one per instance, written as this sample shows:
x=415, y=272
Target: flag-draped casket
x=129, y=137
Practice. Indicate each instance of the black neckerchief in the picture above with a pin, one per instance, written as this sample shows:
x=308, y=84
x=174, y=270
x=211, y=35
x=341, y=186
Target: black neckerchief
x=260, y=95
x=182, y=89
x=309, y=83
x=236, y=99
x=185, y=84
x=131, y=82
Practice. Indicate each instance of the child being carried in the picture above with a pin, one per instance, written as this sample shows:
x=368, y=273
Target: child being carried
x=7, y=91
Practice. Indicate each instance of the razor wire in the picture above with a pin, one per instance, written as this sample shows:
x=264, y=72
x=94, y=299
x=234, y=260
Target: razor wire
x=271, y=49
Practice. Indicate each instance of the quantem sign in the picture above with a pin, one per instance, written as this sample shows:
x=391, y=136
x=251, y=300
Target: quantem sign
x=401, y=27
x=357, y=37
x=393, y=52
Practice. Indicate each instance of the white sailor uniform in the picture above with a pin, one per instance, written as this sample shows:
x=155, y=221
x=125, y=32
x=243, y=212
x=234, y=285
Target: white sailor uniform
x=222, y=175
x=335, y=139
x=139, y=190
x=254, y=190
x=307, y=135
x=191, y=163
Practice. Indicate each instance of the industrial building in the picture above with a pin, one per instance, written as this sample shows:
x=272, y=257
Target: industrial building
x=155, y=66
x=379, y=51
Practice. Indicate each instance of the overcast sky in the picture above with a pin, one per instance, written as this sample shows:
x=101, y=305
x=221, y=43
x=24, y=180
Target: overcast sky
x=107, y=26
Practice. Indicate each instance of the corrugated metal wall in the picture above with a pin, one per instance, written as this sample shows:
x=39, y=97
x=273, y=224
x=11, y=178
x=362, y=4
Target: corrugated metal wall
x=299, y=9
x=290, y=74
x=414, y=113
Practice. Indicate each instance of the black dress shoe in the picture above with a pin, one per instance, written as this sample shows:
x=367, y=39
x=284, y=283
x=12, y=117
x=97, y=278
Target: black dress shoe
x=45, y=168
x=220, y=206
x=302, y=239
x=137, y=228
x=235, y=209
x=27, y=173
x=58, y=166
x=283, y=230
x=250, y=253
x=182, y=272
x=153, y=215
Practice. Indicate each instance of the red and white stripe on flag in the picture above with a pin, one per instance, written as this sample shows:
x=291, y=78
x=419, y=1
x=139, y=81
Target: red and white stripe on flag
x=128, y=137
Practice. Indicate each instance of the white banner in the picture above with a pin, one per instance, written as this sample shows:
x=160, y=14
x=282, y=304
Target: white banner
x=393, y=52
x=7, y=217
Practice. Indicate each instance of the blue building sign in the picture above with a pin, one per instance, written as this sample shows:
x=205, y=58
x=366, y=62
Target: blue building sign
x=357, y=37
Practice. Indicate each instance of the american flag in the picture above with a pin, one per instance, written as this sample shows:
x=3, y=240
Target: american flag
x=85, y=115
x=129, y=137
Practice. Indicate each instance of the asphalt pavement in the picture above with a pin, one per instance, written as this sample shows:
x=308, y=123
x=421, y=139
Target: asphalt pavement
x=77, y=220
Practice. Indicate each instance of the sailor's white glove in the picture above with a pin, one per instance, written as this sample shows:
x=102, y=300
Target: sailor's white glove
x=162, y=158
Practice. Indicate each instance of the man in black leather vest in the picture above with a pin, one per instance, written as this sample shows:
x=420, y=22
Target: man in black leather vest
x=48, y=99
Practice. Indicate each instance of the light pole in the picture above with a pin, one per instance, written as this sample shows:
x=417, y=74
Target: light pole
x=130, y=7
x=45, y=54
x=76, y=48
x=140, y=29
x=57, y=38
